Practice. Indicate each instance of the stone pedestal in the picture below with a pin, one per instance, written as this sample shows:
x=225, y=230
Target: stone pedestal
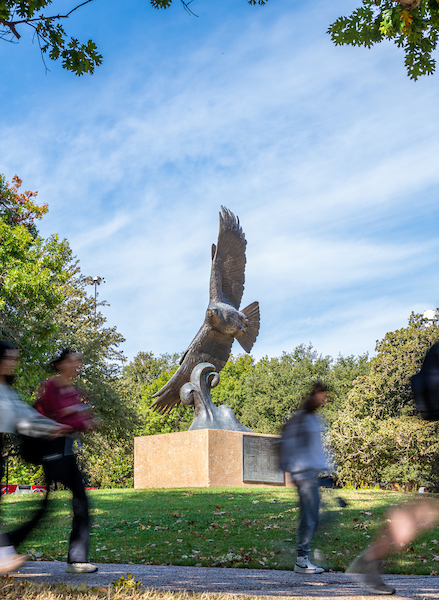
x=206, y=458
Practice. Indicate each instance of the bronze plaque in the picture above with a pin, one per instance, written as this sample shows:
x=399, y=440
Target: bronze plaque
x=260, y=462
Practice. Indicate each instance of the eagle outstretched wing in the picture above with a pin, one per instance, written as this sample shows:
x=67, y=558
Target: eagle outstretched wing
x=228, y=261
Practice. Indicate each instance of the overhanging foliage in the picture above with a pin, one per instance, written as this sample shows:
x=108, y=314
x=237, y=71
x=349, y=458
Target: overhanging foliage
x=411, y=24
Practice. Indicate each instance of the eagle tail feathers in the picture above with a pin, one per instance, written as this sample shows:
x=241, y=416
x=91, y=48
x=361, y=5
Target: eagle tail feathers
x=248, y=337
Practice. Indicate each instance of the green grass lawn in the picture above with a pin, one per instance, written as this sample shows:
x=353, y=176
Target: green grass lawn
x=230, y=527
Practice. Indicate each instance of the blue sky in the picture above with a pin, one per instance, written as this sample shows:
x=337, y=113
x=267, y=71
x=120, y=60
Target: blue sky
x=327, y=154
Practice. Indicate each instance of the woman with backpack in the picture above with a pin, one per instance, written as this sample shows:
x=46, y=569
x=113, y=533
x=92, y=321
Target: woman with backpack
x=18, y=417
x=61, y=401
x=303, y=456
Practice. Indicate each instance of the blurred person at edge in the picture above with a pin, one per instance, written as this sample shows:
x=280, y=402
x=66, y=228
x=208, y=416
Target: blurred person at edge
x=303, y=456
x=403, y=525
x=60, y=400
x=18, y=417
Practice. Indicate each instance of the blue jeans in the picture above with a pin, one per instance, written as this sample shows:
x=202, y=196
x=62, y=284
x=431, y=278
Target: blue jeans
x=309, y=499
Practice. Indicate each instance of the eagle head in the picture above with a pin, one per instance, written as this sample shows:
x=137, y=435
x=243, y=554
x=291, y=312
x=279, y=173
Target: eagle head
x=214, y=317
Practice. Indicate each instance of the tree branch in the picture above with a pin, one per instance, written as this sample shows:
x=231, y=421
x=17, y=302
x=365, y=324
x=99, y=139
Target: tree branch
x=187, y=9
x=11, y=24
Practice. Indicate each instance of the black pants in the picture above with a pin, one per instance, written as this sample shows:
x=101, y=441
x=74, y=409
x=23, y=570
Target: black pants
x=66, y=471
x=17, y=536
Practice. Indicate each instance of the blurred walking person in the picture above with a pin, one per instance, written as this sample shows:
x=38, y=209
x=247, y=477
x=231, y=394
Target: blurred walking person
x=61, y=401
x=18, y=417
x=303, y=456
x=403, y=525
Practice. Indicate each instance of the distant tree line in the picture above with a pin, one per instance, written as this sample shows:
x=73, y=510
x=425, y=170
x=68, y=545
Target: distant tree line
x=373, y=428
x=45, y=305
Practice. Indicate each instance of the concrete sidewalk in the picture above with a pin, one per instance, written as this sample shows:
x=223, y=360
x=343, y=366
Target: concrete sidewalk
x=254, y=582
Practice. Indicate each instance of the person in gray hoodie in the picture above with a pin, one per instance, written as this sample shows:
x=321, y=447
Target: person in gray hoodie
x=303, y=456
x=18, y=417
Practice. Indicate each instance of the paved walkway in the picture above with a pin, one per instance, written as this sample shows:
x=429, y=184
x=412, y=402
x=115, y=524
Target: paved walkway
x=254, y=582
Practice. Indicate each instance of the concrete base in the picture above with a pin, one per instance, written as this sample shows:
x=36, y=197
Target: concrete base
x=200, y=458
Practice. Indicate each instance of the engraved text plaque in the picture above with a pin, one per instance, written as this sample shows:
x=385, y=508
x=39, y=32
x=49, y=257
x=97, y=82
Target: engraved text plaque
x=260, y=460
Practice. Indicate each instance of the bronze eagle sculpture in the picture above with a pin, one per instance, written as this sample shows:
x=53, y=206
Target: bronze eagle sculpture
x=223, y=321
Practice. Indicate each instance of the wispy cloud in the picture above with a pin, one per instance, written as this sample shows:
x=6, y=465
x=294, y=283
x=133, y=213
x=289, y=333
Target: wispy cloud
x=313, y=146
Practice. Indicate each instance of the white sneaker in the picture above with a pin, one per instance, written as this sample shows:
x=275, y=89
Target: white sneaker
x=10, y=560
x=81, y=568
x=304, y=565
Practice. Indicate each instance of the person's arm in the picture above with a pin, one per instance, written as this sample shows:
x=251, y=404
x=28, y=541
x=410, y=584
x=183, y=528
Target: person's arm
x=31, y=423
x=77, y=415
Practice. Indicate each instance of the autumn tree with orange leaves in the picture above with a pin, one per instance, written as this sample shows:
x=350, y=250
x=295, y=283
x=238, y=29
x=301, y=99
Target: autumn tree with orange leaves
x=47, y=304
x=19, y=208
x=32, y=275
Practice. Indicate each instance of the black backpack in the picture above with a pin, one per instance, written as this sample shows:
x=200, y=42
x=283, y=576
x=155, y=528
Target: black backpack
x=425, y=386
x=34, y=450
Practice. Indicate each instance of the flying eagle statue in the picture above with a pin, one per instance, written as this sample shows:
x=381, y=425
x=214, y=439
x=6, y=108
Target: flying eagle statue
x=223, y=321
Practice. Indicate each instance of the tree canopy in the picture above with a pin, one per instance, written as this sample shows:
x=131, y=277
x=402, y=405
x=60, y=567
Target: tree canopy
x=32, y=276
x=376, y=433
x=53, y=41
x=412, y=25
x=45, y=306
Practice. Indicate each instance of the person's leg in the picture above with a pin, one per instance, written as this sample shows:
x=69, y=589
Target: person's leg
x=17, y=536
x=66, y=471
x=4, y=537
x=9, y=560
x=403, y=525
x=309, y=501
x=80, y=536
